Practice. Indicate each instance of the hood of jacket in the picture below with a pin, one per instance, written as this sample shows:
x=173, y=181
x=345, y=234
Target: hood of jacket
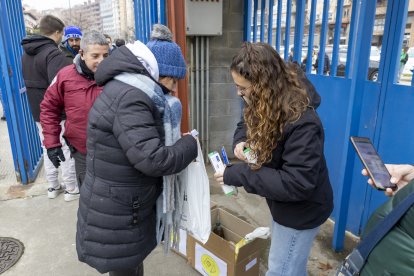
x=123, y=60
x=314, y=98
x=34, y=44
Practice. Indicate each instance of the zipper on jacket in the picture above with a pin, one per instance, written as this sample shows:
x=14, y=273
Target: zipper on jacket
x=135, y=206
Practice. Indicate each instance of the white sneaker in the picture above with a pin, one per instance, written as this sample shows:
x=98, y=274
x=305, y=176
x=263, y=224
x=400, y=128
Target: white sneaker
x=54, y=192
x=72, y=195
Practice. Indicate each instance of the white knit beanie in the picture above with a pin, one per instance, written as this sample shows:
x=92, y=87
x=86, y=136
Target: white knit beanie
x=146, y=57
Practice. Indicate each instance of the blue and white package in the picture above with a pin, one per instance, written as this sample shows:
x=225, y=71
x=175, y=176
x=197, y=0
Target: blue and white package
x=224, y=155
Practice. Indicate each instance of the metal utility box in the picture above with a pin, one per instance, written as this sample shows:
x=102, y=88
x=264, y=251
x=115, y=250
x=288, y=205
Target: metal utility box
x=204, y=17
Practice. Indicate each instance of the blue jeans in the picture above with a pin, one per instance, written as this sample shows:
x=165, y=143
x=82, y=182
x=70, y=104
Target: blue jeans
x=289, y=250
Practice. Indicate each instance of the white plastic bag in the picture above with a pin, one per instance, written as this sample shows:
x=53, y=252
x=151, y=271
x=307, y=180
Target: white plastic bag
x=196, y=216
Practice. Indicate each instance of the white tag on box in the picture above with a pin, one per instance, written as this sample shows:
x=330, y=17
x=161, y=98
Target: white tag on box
x=251, y=264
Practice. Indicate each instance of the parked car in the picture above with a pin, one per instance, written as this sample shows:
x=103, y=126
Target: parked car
x=372, y=68
x=375, y=56
x=342, y=56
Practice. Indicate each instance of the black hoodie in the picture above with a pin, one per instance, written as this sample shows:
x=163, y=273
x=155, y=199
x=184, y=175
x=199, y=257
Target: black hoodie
x=41, y=61
x=121, y=61
x=295, y=182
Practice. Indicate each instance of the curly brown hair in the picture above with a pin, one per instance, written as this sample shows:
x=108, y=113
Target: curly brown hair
x=277, y=97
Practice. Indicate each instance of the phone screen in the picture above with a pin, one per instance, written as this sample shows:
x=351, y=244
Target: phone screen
x=373, y=163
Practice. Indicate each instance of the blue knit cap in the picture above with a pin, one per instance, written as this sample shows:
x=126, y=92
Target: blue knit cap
x=168, y=54
x=72, y=32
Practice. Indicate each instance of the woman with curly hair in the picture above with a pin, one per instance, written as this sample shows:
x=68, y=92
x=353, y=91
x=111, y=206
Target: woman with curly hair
x=286, y=139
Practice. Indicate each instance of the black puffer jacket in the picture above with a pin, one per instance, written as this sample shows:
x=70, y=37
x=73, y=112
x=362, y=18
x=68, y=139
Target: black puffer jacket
x=295, y=182
x=126, y=159
x=41, y=61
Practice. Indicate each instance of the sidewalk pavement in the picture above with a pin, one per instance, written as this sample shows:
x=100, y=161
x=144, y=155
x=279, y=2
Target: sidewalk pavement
x=47, y=228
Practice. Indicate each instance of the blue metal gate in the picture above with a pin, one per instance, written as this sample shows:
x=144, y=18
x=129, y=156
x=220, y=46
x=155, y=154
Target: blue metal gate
x=357, y=99
x=24, y=139
x=147, y=13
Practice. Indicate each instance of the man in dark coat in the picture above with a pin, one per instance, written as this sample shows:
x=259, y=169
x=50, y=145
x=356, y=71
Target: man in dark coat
x=326, y=64
x=112, y=47
x=70, y=45
x=133, y=140
x=41, y=61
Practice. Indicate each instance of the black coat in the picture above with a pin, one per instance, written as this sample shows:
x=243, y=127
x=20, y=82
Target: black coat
x=326, y=64
x=126, y=159
x=68, y=54
x=41, y=61
x=295, y=182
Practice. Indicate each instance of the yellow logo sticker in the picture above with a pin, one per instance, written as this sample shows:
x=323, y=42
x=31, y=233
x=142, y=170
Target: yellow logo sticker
x=209, y=265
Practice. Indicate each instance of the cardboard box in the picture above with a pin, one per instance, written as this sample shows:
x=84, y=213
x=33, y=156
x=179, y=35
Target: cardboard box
x=217, y=257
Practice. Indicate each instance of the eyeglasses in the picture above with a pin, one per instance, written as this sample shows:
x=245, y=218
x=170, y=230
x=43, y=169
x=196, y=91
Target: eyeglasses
x=242, y=91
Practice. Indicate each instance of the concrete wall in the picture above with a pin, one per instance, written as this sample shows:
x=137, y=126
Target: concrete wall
x=225, y=108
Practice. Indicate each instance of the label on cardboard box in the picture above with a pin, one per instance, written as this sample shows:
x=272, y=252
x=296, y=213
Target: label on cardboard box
x=209, y=264
x=251, y=264
x=182, y=244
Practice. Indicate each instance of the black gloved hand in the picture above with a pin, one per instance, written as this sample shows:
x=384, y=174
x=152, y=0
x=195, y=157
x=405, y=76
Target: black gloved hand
x=56, y=156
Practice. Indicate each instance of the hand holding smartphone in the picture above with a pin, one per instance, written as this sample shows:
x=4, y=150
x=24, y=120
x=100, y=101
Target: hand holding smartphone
x=373, y=163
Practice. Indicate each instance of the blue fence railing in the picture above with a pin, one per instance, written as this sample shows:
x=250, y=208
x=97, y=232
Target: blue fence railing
x=24, y=138
x=147, y=13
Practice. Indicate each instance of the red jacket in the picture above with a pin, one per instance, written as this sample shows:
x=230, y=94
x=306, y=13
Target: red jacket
x=74, y=94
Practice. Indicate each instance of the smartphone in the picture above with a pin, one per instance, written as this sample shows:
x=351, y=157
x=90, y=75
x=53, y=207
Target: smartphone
x=372, y=163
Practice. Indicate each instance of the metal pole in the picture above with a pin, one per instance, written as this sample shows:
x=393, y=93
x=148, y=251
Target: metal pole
x=262, y=20
x=197, y=94
x=270, y=23
x=299, y=27
x=255, y=20
x=202, y=89
x=279, y=25
x=70, y=11
x=247, y=36
x=337, y=36
x=192, y=93
x=311, y=38
x=287, y=29
x=207, y=146
x=321, y=55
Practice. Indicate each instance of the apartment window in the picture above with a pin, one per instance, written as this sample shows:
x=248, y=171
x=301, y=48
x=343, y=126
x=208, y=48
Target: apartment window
x=379, y=24
x=346, y=13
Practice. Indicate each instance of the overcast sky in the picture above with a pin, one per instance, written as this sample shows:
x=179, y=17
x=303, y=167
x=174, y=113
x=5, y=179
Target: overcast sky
x=51, y=4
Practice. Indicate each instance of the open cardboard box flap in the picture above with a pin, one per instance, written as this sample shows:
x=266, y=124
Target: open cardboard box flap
x=234, y=230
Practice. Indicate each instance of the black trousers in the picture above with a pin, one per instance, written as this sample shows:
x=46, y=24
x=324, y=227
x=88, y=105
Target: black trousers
x=80, y=166
x=137, y=271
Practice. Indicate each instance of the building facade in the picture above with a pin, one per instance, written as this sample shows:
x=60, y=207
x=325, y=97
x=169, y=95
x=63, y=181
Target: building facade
x=110, y=17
